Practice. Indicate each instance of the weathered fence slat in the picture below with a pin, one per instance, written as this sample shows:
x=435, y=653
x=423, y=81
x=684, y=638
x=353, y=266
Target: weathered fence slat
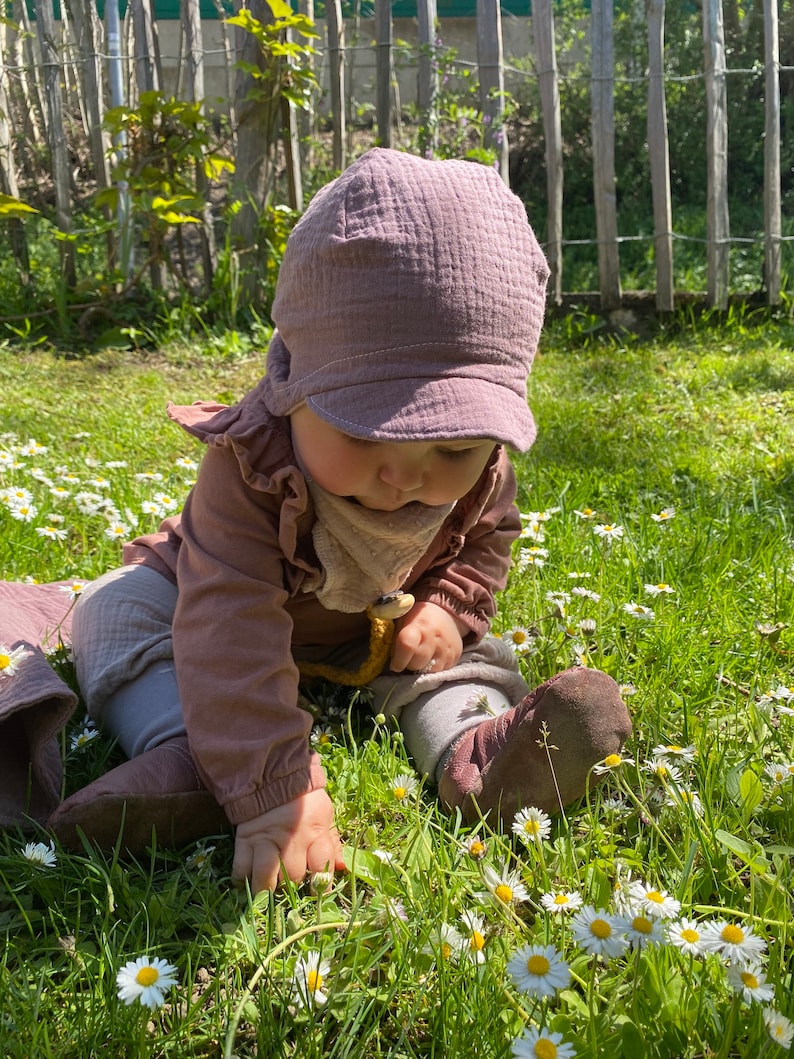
x=427, y=74
x=336, y=76
x=193, y=66
x=147, y=49
x=549, y=86
x=383, y=70
x=772, y=205
x=603, y=119
x=659, y=152
x=88, y=33
x=56, y=135
x=717, y=220
x=490, y=61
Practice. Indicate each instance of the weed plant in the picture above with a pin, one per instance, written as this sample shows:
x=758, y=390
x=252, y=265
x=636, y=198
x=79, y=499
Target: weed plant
x=654, y=919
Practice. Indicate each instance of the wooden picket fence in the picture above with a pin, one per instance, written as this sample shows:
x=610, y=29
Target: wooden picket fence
x=80, y=64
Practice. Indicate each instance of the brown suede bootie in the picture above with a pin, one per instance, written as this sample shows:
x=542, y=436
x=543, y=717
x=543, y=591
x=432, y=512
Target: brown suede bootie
x=503, y=765
x=156, y=796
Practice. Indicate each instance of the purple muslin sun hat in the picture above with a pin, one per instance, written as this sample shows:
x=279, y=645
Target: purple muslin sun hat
x=409, y=304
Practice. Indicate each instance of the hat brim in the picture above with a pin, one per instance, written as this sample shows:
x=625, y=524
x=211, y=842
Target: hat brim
x=438, y=409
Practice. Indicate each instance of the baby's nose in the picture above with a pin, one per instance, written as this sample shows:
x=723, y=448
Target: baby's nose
x=403, y=474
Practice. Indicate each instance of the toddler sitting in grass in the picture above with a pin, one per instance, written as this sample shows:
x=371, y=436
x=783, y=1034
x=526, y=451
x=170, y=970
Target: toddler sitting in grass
x=353, y=515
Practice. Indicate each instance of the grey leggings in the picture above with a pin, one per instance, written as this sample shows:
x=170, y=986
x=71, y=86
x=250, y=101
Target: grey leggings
x=121, y=637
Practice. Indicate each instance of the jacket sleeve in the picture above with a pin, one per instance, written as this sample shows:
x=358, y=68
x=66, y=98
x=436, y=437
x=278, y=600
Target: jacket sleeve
x=232, y=644
x=465, y=578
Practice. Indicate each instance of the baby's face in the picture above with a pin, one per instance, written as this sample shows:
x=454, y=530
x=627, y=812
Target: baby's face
x=386, y=475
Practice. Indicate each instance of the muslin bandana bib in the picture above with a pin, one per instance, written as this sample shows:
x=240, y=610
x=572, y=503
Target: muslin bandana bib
x=364, y=554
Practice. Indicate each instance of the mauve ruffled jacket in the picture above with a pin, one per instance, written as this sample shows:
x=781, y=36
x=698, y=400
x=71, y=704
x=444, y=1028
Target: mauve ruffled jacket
x=239, y=553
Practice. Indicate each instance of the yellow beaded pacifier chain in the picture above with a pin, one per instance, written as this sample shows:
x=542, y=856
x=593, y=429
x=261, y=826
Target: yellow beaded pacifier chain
x=382, y=615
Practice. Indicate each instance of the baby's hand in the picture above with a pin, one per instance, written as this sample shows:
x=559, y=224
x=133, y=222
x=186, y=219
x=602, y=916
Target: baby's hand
x=287, y=842
x=427, y=634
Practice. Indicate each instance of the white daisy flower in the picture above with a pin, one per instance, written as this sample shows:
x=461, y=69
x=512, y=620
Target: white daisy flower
x=166, y=502
x=199, y=859
x=637, y=610
x=527, y=557
x=146, y=980
x=504, y=886
x=24, y=512
x=74, y=588
x=311, y=972
x=656, y=903
x=540, y=1043
x=686, y=935
x=83, y=738
x=149, y=476
x=186, y=463
x=674, y=752
x=598, y=932
x=9, y=660
x=643, y=930
x=609, y=532
x=539, y=970
x=586, y=593
x=660, y=589
x=474, y=936
x=52, y=533
x=474, y=847
x=531, y=825
x=559, y=901
x=609, y=764
x=749, y=981
x=777, y=773
x=587, y=514
x=519, y=640
x=403, y=785
x=734, y=943
x=780, y=1029
x=41, y=855
x=116, y=531
x=383, y=856
x=664, y=772
x=683, y=798
x=664, y=515
x=446, y=943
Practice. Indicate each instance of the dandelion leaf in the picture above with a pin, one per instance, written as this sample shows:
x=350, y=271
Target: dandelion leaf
x=632, y=1043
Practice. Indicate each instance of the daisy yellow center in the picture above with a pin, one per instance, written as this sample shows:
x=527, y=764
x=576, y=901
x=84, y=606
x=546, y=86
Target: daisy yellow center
x=732, y=935
x=546, y=1049
x=504, y=893
x=446, y=950
x=612, y=760
x=561, y=899
x=674, y=748
x=5, y=661
x=749, y=980
x=314, y=981
x=147, y=976
x=642, y=925
x=400, y=793
x=538, y=965
x=532, y=827
x=476, y=941
x=655, y=897
x=324, y=739
x=600, y=928
x=519, y=637
x=690, y=936
x=477, y=849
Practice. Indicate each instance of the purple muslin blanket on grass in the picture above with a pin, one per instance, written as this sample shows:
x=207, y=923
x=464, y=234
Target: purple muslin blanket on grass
x=35, y=703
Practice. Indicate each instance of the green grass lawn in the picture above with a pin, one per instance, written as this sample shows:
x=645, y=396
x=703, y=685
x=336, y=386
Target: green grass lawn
x=660, y=501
